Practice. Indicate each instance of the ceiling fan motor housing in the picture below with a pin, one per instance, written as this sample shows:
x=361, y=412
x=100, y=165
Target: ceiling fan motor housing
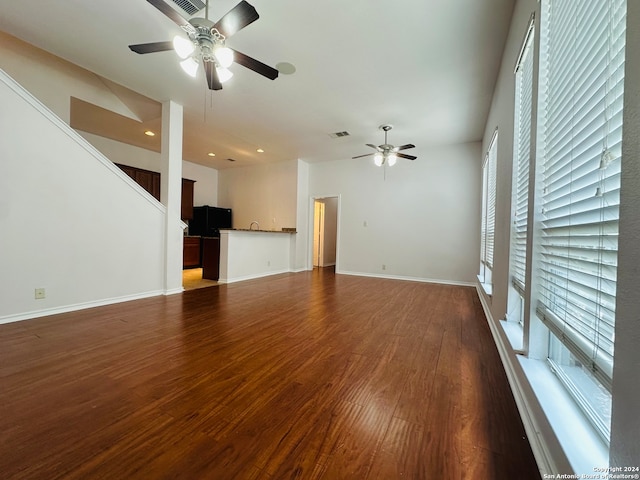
x=206, y=37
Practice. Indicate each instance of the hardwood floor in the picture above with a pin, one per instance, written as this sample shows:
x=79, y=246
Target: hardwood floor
x=307, y=375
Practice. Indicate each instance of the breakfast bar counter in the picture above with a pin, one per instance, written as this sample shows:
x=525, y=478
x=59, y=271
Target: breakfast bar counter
x=247, y=254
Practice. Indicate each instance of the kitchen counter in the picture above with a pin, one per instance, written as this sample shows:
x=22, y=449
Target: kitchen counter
x=247, y=254
x=257, y=231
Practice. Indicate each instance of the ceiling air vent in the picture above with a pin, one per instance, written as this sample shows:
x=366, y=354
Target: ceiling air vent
x=339, y=134
x=190, y=6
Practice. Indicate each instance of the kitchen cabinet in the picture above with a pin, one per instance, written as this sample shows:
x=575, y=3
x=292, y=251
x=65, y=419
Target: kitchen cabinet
x=147, y=179
x=210, y=258
x=150, y=181
x=186, y=211
x=191, y=252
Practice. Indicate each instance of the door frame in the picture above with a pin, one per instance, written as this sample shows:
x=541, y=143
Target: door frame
x=311, y=229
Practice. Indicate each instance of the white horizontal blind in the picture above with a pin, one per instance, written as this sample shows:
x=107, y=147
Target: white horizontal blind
x=490, y=166
x=483, y=224
x=524, y=97
x=582, y=137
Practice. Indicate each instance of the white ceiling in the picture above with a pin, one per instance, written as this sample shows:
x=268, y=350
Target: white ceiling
x=426, y=66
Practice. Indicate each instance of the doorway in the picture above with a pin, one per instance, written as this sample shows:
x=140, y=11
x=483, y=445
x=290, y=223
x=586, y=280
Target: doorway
x=325, y=231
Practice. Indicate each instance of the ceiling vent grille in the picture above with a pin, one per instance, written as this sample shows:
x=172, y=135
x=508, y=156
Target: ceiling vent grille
x=190, y=6
x=339, y=134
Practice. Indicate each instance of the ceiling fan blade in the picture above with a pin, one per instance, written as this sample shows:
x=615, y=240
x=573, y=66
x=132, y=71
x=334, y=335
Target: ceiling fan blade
x=404, y=147
x=151, y=47
x=253, y=64
x=170, y=12
x=365, y=155
x=212, y=76
x=404, y=155
x=236, y=19
x=372, y=146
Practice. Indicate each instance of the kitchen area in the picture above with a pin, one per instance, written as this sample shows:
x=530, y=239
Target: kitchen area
x=201, y=247
x=217, y=248
x=228, y=254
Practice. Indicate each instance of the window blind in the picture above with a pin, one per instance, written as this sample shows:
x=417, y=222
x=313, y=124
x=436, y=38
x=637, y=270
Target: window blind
x=483, y=223
x=582, y=134
x=490, y=167
x=524, y=98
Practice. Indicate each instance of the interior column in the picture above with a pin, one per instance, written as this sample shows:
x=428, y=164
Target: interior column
x=170, y=194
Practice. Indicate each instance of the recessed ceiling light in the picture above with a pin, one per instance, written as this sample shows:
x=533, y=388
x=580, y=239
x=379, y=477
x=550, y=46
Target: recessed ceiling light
x=211, y=154
x=149, y=133
x=260, y=150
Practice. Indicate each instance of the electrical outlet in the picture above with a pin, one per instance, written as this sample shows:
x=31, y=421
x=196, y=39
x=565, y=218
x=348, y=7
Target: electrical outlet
x=384, y=267
x=268, y=263
x=364, y=224
x=39, y=293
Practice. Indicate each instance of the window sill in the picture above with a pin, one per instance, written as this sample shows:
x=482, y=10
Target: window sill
x=580, y=442
x=515, y=334
x=487, y=288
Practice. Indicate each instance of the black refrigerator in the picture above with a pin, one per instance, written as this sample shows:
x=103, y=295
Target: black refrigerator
x=207, y=221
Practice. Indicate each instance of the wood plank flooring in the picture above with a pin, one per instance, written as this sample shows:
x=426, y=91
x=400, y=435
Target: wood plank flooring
x=307, y=376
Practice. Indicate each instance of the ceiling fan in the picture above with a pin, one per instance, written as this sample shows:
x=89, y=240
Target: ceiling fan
x=206, y=43
x=387, y=153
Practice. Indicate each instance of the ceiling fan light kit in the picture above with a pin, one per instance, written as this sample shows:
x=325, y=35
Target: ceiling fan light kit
x=224, y=74
x=387, y=154
x=207, y=43
x=190, y=66
x=183, y=47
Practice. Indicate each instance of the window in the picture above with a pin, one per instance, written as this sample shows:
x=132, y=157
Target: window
x=520, y=187
x=581, y=86
x=487, y=232
x=522, y=155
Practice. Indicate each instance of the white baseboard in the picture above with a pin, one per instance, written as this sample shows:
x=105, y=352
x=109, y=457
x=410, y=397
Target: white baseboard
x=410, y=279
x=302, y=269
x=253, y=277
x=173, y=291
x=78, y=306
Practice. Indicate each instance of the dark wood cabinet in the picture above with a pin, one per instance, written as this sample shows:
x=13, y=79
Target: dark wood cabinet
x=211, y=258
x=191, y=252
x=147, y=179
x=187, y=199
x=150, y=181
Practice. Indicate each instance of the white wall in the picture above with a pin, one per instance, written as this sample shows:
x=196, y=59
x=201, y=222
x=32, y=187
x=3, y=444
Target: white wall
x=265, y=193
x=71, y=222
x=421, y=221
x=54, y=81
x=205, y=188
